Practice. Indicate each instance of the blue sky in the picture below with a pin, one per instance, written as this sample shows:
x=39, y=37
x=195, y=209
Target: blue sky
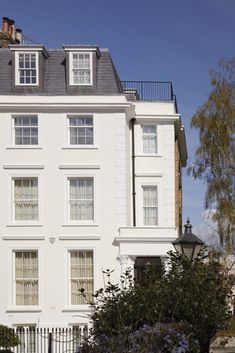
x=169, y=40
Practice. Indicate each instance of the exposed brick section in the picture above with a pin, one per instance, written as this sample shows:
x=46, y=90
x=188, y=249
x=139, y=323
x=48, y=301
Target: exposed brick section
x=5, y=40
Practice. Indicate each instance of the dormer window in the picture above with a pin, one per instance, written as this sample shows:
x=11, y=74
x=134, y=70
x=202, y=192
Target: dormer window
x=80, y=68
x=26, y=68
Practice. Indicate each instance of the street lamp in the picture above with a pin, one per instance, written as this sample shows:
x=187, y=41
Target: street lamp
x=188, y=243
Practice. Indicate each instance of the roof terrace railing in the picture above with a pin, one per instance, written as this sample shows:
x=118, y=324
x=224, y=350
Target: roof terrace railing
x=149, y=91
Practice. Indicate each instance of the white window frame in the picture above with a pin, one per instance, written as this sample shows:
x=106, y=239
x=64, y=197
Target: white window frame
x=156, y=139
x=68, y=130
x=25, y=222
x=17, y=68
x=154, y=180
x=14, y=251
x=155, y=206
x=69, y=277
x=14, y=128
x=81, y=176
x=67, y=282
x=71, y=81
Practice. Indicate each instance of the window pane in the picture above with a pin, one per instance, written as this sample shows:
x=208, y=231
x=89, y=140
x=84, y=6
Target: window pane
x=27, y=72
x=81, y=68
x=26, y=278
x=81, y=275
x=89, y=131
x=26, y=130
x=89, y=141
x=81, y=130
x=81, y=141
x=81, y=199
x=149, y=136
x=150, y=211
x=89, y=121
x=26, y=199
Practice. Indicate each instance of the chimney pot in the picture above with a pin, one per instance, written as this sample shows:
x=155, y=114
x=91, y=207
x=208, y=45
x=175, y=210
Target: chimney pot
x=18, y=35
x=5, y=24
x=8, y=25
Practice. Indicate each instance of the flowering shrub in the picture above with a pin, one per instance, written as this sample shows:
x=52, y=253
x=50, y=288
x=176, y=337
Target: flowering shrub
x=160, y=338
x=193, y=293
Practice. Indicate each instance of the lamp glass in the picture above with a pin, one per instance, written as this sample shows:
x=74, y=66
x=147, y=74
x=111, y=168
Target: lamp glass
x=197, y=248
x=178, y=248
x=188, y=250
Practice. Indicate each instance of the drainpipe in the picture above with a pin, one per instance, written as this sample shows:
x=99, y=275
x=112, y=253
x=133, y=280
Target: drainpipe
x=132, y=123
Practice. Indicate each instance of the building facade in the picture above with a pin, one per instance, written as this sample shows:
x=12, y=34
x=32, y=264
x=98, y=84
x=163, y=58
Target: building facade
x=90, y=179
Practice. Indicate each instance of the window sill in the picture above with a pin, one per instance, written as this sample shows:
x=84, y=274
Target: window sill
x=24, y=309
x=153, y=226
x=27, y=84
x=79, y=225
x=80, y=237
x=24, y=225
x=23, y=237
x=149, y=155
x=79, y=147
x=24, y=147
x=80, y=84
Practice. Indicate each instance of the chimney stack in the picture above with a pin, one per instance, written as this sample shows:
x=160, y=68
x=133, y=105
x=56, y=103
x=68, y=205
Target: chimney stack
x=8, y=34
x=8, y=25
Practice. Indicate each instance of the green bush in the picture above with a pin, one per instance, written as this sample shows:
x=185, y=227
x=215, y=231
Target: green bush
x=8, y=338
x=193, y=293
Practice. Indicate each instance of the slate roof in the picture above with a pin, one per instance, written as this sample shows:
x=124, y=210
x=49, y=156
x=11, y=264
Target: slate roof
x=108, y=82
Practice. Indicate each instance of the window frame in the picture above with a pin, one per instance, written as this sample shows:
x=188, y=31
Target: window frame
x=81, y=222
x=25, y=222
x=71, y=78
x=142, y=139
x=70, y=116
x=24, y=250
x=155, y=206
x=15, y=116
x=17, y=68
x=69, y=275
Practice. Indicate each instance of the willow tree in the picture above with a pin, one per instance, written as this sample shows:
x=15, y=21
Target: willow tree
x=215, y=157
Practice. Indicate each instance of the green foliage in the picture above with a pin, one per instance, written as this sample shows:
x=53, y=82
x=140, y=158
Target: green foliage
x=215, y=157
x=8, y=338
x=193, y=293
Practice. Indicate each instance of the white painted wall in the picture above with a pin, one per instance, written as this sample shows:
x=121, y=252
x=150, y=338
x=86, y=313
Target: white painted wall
x=114, y=241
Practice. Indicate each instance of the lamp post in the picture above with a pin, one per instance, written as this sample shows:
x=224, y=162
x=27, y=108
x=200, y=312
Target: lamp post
x=188, y=243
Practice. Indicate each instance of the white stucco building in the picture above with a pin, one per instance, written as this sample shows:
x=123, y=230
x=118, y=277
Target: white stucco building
x=90, y=179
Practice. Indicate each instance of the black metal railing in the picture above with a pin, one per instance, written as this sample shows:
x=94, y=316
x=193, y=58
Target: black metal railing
x=148, y=90
x=49, y=340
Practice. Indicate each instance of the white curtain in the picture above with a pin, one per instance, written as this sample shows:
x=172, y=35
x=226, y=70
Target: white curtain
x=81, y=69
x=81, y=199
x=150, y=205
x=26, y=277
x=81, y=274
x=26, y=199
x=149, y=139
